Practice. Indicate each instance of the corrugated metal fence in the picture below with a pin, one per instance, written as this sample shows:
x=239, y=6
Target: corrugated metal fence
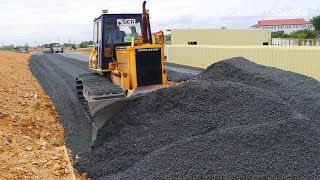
x=304, y=60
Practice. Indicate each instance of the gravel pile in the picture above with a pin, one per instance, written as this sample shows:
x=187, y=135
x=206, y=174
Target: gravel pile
x=236, y=120
x=301, y=92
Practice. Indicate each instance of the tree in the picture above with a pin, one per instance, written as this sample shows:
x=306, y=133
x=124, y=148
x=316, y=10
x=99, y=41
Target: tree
x=275, y=35
x=8, y=48
x=301, y=34
x=316, y=22
x=284, y=36
x=84, y=44
x=304, y=34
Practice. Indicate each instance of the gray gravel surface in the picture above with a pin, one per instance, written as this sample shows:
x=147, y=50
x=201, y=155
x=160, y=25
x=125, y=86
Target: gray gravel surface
x=56, y=75
x=300, y=91
x=236, y=120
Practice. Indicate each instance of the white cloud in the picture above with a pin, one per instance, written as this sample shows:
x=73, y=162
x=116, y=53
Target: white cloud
x=37, y=21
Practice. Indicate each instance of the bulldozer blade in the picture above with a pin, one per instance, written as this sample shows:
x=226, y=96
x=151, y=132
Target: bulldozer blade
x=104, y=109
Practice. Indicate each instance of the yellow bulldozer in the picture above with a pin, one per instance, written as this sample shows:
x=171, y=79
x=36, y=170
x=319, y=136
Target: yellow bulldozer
x=129, y=57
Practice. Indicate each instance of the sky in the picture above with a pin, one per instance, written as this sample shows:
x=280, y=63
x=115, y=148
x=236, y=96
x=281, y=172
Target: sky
x=45, y=21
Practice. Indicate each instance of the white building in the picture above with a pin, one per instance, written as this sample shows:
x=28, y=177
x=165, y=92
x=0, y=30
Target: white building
x=284, y=26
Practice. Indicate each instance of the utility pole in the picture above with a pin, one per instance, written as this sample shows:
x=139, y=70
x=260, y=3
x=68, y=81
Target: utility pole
x=2, y=46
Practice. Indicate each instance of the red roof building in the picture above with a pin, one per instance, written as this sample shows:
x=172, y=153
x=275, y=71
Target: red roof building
x=284, y=26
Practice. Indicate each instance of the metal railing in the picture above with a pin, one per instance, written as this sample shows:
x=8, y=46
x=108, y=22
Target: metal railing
x=294, y=42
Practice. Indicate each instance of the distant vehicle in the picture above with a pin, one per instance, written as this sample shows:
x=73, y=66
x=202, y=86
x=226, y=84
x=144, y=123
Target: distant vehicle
x=23, y=50
x=52, y=48
x=46, y=48
x=57, y=48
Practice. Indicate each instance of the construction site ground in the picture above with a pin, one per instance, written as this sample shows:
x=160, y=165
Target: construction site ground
x=235, y=120
x=57, y=74
x=32, y=143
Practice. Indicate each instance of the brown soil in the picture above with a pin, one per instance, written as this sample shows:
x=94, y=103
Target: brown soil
x=84, y=50
x=32, y=144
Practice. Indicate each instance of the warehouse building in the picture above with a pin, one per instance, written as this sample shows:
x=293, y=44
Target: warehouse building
x=284, y=26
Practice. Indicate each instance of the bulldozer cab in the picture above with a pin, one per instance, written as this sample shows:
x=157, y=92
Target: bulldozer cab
x=113, y=30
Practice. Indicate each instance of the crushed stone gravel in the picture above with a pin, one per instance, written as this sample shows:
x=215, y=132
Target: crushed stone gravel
x=236, y=120
x=57, y=76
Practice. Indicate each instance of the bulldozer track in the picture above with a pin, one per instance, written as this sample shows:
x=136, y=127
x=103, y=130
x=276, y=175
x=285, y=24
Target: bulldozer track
x=82, y=100
x=97, y=87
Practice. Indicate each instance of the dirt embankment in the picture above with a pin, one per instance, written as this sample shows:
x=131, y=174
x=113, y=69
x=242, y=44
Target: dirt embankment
x=31, y=136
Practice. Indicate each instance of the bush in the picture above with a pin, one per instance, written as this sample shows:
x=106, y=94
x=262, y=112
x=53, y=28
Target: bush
x=285, y=36
x=275, y=35
x=301, y=34
x=7, y=48
x=316, y=22
x=304, y=34
x=85, y=44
